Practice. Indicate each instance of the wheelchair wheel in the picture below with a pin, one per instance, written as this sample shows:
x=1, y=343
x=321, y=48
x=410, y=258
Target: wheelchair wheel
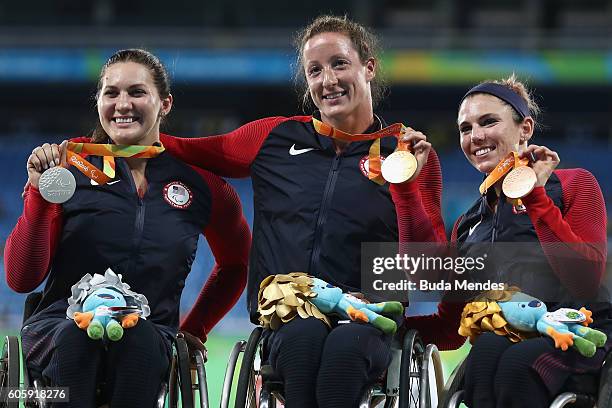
x=247, y=380
x=180, y=377
x=453, y=385
x=200, y=371
x=184, y=372
x=410, y=370
x=604, y=398
x=431, y=360
x=172, y=385
x=10, y=369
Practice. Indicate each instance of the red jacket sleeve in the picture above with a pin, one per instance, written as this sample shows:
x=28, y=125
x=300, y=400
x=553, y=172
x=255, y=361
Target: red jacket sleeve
x=455, y=228
x=230, y=240
x=440, y=328
x=419, y=218
x=418, y=205
x=30, y=246
x=574, y=240
x=228, y=155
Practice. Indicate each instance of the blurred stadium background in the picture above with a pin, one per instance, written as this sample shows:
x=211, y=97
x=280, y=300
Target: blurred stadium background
x=231, y=62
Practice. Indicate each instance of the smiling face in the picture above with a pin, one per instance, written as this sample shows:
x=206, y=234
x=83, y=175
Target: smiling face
x=338, y=81
x=488, y=131
x=129, y=105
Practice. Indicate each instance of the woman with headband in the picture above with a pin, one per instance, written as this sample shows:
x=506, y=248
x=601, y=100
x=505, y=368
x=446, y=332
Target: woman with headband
x=526, y=200
x=142, y=217
x=318, y=196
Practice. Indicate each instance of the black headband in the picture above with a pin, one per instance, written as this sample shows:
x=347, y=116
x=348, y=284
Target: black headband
x=505, y=94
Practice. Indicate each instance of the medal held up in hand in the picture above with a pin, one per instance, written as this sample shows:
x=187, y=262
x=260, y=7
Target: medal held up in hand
x=57, y=185
x=518, y=179
x=519, y=182
x=400, y=166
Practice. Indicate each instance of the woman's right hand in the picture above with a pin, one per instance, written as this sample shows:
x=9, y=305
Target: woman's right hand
x=420, y=147
x=194, y=343
x=44, y=157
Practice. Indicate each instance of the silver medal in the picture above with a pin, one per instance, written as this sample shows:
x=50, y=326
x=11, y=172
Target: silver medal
x=57, y=185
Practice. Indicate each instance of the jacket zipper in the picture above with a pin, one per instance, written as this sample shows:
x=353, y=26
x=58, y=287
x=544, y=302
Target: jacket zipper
x=138, y=222
x=495, y=221
x=323, y=210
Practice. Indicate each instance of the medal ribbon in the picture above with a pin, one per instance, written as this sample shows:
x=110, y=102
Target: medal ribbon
x=508, y=163
x=374, y=172
x=109, y=152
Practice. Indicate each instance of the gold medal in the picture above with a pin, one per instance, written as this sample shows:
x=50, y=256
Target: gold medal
x=399, y=166
x=374, y=172
x=519, y=182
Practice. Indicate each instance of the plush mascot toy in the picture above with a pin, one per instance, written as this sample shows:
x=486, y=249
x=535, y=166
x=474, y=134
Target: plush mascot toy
x=282, y=297
x=99, y=305
x=98, y=315
x=518, y=316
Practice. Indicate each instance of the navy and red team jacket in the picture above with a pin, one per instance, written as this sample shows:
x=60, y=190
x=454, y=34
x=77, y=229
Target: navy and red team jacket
x=313, y=208
x=150, y=240
x=565, y=226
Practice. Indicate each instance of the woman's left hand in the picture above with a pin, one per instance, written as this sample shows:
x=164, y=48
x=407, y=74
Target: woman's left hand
x=419, y=146
x=546, y=161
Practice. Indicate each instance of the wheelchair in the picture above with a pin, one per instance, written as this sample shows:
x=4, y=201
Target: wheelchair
x=582, y=390
x=186, y=376
x=406, y=383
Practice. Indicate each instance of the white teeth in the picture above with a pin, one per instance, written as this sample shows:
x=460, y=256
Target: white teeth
x=334, y=95
x=124, y=120
x=480, y=152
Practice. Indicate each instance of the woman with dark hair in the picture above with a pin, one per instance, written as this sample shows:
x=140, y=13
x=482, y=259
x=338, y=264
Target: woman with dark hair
x=318, y=196
x=555, y=221
x=144, y=223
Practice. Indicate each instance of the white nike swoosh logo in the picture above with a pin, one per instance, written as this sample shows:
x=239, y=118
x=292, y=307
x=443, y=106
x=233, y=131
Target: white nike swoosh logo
x=95, y=183
x=294, y=152
x=472, y=228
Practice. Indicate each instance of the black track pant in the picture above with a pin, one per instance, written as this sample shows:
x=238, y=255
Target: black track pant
x=64, y=355
x=323, y=368
x=499, y=373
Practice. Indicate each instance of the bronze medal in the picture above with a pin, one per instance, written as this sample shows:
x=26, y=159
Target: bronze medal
x=399, y=166
x=519, y=182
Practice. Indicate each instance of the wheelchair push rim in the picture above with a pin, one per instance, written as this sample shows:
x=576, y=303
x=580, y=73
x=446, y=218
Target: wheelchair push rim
x=10, y=370
x=249, y=379
x=410, y=370
x=182, y=376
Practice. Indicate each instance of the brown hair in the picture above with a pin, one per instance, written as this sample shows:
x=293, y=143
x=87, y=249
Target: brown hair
x=519, y=88
x=145, y=58
x=364, y=41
